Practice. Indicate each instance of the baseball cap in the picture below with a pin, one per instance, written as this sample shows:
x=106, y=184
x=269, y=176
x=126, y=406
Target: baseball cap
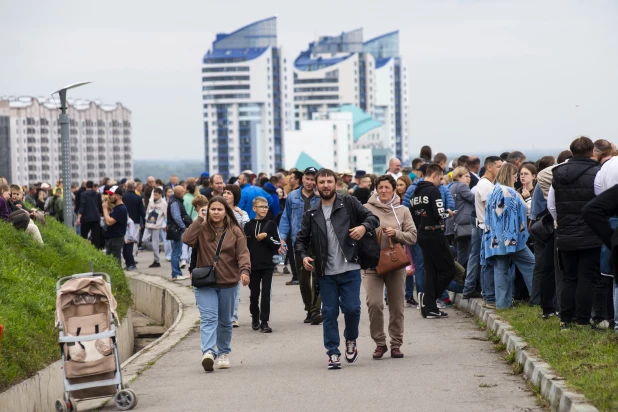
x=114, y=190
x=310, y=171
x=359, y=174
x=205, y=174
x=123, y=181
x=347, y=172
x=45, y=186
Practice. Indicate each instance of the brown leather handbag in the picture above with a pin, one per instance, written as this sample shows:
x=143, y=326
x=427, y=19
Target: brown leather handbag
x=392, y=258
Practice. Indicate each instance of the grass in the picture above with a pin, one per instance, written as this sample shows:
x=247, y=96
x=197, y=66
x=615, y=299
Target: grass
x=586, y=358
x=28, y=275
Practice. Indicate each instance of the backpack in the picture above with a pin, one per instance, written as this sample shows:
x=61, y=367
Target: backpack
x=368, y=247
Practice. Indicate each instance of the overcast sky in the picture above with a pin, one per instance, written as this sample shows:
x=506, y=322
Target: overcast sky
x=484, y=74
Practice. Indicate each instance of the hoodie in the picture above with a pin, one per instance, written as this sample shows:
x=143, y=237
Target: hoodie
x=275, y=208
x=393, y=214
x=262, y=251
x=428, y=209
x=157, y=211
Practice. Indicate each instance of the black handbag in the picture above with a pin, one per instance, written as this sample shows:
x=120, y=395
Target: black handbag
x=207, y=276
x=542, y=229
x=368, y=246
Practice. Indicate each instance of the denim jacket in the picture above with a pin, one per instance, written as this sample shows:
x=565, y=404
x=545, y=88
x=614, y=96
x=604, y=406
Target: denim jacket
x=292, y=216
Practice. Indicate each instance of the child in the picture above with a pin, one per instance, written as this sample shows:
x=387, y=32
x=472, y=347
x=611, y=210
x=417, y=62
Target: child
x=130, y=239
x=263, y=242
x=155, y=215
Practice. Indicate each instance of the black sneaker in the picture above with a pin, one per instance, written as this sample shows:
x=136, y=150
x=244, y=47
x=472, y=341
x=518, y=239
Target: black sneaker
x=334, y=362
x=472, y=295
x=264, y=328
x=351, y=353
x=286, y=271
x=309, y=318
x=255, y=323
x=317, y=319
x=410, y=301
x=155, y=265
x=292, y=283
x=436, y=314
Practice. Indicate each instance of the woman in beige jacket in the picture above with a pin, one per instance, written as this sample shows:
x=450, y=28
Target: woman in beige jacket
x=395, y=222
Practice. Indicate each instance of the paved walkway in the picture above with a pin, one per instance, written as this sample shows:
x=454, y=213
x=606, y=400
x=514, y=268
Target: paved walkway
x=447, y=366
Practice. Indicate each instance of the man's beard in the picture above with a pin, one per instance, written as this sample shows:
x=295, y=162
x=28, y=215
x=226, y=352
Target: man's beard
x=327, y=197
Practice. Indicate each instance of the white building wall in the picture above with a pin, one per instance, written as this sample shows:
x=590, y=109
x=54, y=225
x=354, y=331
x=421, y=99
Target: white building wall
x=362, y=160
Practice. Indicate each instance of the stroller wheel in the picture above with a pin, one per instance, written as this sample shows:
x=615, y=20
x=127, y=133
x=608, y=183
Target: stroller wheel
x=125, y=399
x=61, y=406
x=72, y=404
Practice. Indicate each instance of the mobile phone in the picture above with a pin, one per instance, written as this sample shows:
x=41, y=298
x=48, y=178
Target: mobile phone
x=204, y=210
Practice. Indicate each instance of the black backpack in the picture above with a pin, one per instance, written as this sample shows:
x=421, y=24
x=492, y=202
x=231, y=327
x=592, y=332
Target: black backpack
x=368, y=247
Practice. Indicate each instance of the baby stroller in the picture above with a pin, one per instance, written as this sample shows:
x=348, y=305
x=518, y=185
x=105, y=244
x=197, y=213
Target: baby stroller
x=85, y=312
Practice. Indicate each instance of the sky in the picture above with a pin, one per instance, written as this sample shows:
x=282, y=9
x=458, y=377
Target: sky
x=484, y=74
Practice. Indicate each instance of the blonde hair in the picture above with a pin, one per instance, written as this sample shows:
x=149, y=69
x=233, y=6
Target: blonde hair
x=259, y=199
x=459, y=172
x=505, y=175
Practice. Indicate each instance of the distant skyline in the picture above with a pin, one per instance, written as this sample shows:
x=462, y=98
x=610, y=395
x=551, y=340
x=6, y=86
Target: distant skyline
x=484, y=74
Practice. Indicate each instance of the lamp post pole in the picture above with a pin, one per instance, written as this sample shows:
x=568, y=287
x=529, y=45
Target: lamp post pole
x=65, y=145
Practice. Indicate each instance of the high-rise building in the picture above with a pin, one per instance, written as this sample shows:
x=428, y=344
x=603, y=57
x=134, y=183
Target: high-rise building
x=247, y=92
x=332, y=72
x=391, y=107
x=100, y=137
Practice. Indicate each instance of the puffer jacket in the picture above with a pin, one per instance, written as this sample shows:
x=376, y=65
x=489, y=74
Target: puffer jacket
x=573, y=184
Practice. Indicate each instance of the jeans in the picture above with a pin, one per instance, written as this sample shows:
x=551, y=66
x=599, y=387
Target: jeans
x=419, y=269
x=176, y=253
x=113, y=246
x=581, y=274
x=487, y=282
x=504, y=276
x=474, y=261
x=215, y=306
x=236, y=302
x=340, y=290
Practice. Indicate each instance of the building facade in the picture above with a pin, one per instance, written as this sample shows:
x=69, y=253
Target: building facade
x=100, y=137
x=247, y=94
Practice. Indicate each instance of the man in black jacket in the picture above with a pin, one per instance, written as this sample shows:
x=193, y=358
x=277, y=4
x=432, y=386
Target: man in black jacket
x=327, y=227
x=579, y=247
x=89, y=215
x=135, y=208
x=429, y=214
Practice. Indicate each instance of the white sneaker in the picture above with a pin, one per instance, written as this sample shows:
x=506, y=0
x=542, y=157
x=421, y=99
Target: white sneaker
x=235, y=324
x=223, y=362
x=183, y=264
x=181, y=277
x=208, y=361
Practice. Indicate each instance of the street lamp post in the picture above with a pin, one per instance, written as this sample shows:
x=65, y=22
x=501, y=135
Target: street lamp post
x=65, y=145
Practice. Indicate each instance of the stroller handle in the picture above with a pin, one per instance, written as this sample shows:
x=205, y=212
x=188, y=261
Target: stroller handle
x=81, y=275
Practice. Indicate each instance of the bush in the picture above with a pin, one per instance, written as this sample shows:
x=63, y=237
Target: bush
x=28, y=275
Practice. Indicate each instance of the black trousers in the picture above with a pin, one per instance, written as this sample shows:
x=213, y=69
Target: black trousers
x=263, y=278
x=545, y=275
x=463, y=249
x=582, y=270
x=603, y=299
x=439, y=267
x=127, y=254
x=95, y=227
x=113, y=246
x=291, y=257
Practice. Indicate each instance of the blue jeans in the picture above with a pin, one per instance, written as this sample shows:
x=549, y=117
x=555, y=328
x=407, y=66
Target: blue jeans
x=453, y=287
x=340, y=290
x=236, y=302
x=216, y=306
x=487, y=282
x=474, y=261
x=419, y=270
x=504, y=275
x=176, y=253
x=615, y=304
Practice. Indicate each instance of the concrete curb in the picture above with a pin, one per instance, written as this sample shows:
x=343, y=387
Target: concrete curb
x=553, y=388
x=183, y=325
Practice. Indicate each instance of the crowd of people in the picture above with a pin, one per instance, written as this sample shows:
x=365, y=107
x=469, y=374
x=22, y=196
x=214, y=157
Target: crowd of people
x=503, y=228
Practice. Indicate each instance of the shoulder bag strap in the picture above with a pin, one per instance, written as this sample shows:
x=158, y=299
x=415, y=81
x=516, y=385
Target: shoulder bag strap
x=219, y=247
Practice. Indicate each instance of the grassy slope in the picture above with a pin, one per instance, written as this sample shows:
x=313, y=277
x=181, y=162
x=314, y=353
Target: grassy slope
x=28, y=275
x=587, y=358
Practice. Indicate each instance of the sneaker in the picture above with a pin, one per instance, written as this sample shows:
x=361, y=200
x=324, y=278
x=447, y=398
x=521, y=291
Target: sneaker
x=411, y=302
x=351, y=352
x=255, y=323
x=292, y=283
x=472, y=295
x=448, y=303
x=168, y=259
x=317, y=319
x=286, y=271
x=379, y=352
x=334, y=362
x=130, y=268
x=547, y=316
x=223, y=362
x=436, y=314
x=309, y=318
x=235, y=324
x=183, y=264
x=181, y=277
x=386, y=301
x=599, y=324
x=208, y=361
x=264, y=328
x=396, y=353
x=440, y=304
x=155, y=265
x=489, y=305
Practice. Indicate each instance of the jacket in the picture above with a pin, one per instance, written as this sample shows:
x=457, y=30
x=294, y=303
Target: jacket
x=506, y=229
x=249, y=192
x=182, y=220
x=90, y=207
x=573, y=186
x=234, y=258
x=428, y=209
x=447, y=198
x=187, y=201
x=313, y=231
x=262, y=251
x=394, y=215
x=272, y=192
x=156, y=213
x=291, y=219
x=78, y=196
x=135, y=207
x=597, y=214
x=464, y=204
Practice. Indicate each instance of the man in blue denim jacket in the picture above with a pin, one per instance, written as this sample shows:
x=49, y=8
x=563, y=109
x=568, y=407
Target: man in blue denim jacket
x=296, y=204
